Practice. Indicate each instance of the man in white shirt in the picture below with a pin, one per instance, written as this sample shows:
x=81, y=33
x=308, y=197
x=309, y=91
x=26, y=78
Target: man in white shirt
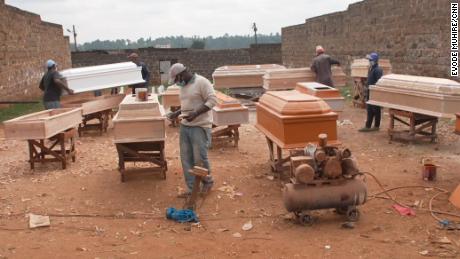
x=197, y=98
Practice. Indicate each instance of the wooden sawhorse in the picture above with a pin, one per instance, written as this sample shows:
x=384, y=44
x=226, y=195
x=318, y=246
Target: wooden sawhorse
x=102, y=125
x=38, y=150
x=149, y=151
x=418, y=123
x=229, y=132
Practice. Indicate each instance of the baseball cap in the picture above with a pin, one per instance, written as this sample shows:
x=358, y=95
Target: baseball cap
x=373, y=56
x=50, y=63
x=175, y=70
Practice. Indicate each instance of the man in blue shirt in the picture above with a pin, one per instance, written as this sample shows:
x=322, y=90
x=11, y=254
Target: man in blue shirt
x=373, y=111
x=134, y=57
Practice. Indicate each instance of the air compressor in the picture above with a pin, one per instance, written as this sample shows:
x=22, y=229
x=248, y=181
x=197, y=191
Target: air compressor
x=324, y=177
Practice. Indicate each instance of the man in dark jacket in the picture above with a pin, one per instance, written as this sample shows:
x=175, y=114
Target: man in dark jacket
x=373, y=111
x=145, y=72
x=322, y=67
x=52, y=85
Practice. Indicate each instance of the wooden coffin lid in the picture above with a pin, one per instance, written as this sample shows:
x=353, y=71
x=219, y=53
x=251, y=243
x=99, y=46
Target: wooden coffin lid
x=363, y=64
x=420, y=84
x=225, y=101
x=294, y=103
x=317, y=89
x=244, y=70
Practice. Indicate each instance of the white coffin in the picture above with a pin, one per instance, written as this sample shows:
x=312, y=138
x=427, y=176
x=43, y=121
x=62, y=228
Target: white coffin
x=92, y=104
x=92, y=78
x=42, y=125
x=431, y=96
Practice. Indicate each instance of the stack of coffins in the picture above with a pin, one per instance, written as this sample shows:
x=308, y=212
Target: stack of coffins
x=139, y=121
x=286, y=79
x=92, y=78
x=229, y=111
x=329, y=94
x=42, y=125
x=171, y=97
x=360, y=67
x=431, y=96
x=292, y=119
x=242, y=76
x=339, y=78
x=91, y=104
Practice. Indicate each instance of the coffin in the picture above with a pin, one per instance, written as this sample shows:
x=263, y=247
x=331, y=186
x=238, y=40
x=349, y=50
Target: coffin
x=292, y=119
x=131, y=108
x=287, y=79
x=431, y=96
x=92, y=104
x=360, y=67
x=241, y=76
x=171, y=97
x=329, y=94
x=339, y=78
x=229, y=111
x=42, y=125
x=92, y=78
x=138, y=121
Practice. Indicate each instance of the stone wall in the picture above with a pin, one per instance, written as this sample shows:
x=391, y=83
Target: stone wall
x=26, y=42
x=413, y=34
x=203, y=62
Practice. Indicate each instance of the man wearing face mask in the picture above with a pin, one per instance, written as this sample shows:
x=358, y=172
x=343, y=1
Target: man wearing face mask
x=197, y=98
x=373, y=111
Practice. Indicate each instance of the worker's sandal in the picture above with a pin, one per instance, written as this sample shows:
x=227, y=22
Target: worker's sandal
x=184, y=195
x=365, y=129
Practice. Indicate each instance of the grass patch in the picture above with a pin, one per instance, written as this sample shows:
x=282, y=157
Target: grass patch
x=346, y=92
x=16, y=110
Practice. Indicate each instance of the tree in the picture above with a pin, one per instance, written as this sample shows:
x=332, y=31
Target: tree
x=198, y=44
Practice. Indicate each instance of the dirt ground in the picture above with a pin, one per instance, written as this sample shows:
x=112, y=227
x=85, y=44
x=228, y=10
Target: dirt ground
x=126, y=220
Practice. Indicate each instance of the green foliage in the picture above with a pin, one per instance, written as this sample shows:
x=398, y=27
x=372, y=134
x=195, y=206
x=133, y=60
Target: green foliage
x=225, y=41
x=198, y=44
x=346, y=92
x=16, y=110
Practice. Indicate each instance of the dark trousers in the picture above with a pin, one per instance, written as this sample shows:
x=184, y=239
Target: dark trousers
x=373, y=111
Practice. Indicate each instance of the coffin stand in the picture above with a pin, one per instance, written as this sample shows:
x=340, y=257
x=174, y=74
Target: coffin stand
x=291, y=120
x=56, y=126
x=139, y=132
x=417, y=123
x=93, y=109
x=65, y=142
x=457, y=125
x=227, y=116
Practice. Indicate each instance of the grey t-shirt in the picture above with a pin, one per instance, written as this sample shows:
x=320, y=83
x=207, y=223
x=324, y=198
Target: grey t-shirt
x=322, y=67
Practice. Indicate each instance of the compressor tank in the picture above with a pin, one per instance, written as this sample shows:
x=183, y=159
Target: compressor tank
x=324, y=194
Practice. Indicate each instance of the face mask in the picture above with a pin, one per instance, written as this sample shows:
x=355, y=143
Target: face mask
x=372, y=63
x=181, y=83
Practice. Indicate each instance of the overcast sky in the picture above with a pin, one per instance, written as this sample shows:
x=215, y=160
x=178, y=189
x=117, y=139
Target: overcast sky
x=114, y=19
